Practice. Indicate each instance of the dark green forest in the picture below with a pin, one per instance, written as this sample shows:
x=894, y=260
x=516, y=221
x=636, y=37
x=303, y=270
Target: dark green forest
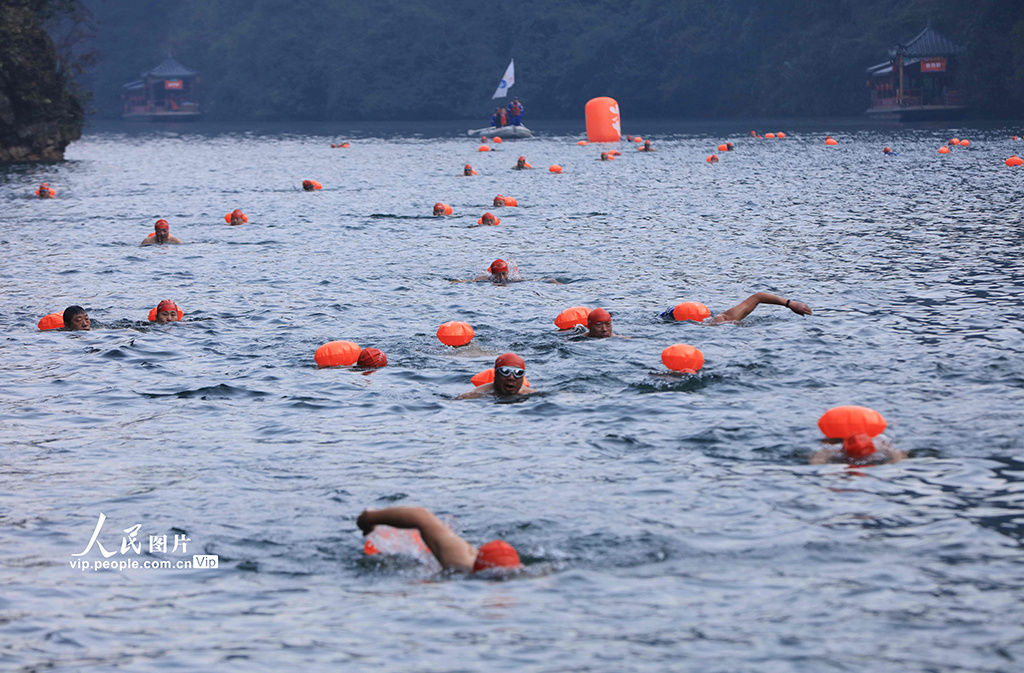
x=399, y=60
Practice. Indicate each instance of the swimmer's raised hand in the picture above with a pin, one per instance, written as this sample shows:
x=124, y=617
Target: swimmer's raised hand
x=364, y=522
x=799, y=307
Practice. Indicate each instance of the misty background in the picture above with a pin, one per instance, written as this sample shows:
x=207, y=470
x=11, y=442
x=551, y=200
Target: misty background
x=434, y=59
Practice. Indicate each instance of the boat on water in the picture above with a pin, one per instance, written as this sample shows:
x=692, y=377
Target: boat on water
x=504, y=132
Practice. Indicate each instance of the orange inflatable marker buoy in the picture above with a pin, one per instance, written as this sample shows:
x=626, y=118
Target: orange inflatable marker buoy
x=372, y=357
x=51, y=321
x=555, y=168
x=570, y=317
x=310, y=185
x=712, y=159
x=638, y=139
x=691, y=310
x=614, y=153
x=497, y=139
x=780, y=134
x=455, y=333
x=1014, y=160
x=581, y=142
x=682, y=358
x=345, y=145
x=842, y=422
x=337, y=354
x=953, y=141
x=152, y=314
x=487, y=376
x=603, y=122
x=723, y=148
x=831, y=141
x=769, y=135
x=484, y=148
x=944, y=150
x=965, y=143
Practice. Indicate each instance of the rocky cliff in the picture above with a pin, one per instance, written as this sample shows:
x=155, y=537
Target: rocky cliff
x=39, y=116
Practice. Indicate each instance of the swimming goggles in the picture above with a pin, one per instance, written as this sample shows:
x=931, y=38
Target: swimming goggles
x=514, y=372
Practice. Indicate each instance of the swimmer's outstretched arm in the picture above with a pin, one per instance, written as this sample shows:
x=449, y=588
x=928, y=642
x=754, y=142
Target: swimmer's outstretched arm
x=746, y=307
x=473, y=280
x=450, y=550
x=148, y=241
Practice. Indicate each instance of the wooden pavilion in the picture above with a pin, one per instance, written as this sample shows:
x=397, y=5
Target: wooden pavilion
x=921, y=80
x=167, y=92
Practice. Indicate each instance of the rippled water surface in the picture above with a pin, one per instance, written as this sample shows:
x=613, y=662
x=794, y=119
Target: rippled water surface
x=668, y=522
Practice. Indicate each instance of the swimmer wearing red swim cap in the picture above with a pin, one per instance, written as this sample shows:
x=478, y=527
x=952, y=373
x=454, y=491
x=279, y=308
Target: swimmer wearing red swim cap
x=521, y=164
x=509, y=378
x=451, y=551
x=166, y=311
x=647, y=147
x=860, y=450
x=161, y=235
x=468, y=170
x=599, y=324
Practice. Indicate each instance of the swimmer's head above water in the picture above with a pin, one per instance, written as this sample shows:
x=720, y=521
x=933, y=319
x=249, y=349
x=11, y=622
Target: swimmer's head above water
x=599, y=324
x=509, y=372
x=161, y=231
x=75, y=318
x=166, y=311
x=499, y=271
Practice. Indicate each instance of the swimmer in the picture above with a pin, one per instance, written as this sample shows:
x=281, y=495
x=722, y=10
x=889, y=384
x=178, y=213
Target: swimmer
x=468, y=170
x=439, y=209
x=166, y=311
x=237, y=217
x=888, y=151
x=488, y=220
x=161, y=234
x=521, y=164
x=75, y=318
x=605, y=157
x=599, y=324
x=450, y=550
x=497, y=273
x=45, y=191
x=647, y=147
x=509, y=374
x=747, y=306
x=860, y=450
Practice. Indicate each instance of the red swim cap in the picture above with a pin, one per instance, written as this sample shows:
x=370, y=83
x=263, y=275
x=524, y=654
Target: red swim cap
x=859, y=445
x=496, y=554
x=498, y=266
x=598, y=315
x=468, y=166
x=161, y=224
x=509, y=360
x=166, y=305
x=372, y=357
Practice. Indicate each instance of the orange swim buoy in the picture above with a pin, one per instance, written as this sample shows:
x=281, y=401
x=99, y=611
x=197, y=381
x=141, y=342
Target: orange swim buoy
x=691, y=310
x=570, y=317
x=831, y=141
x=780, y=134
x=455, y=333
x=555, y=168
x=712, y=159
x=484, y=148
x=310, y=185
x=51, y=321
x=153, y=312
x=638, y=139
x=497, y=139
x=769, y=135
x=236, y=212
x=496, y=220
x=965, y=142
x=614, y=153
x=723, y=148
x=337, y=354
x=683, y=358
x=487, y=376
x=842, y=422
x=345, y=145
x=944, y=150
x=1014, y=160
x=372, y=357
x=581, y=142
x=953, y=141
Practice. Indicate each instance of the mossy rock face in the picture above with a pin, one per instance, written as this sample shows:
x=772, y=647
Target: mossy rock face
x=39, y=116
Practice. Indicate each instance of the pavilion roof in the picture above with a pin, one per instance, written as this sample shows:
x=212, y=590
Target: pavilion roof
x=926, y=43
x=170, y=68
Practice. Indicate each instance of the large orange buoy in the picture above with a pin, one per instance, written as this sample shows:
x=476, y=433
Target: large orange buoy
x=780, y=134
x=497, y=139
x=683, y=358
x=455, y=333
x=570, y=317
x=581, y=142
x=944, y=150
x=953, y=141
x=638, y=140
x=712, y=159
x=1014, y=160
x=153, y=312
x=484, y=148
x=841, y=422
x=831, y=141
x=603, y=122
x=372, y=357
x=345, y=145
x=310, y=185
x=52, y=321
x=487, y=376
x=723, y=148
x=337, y=354
x=555, y=168
x=691, y=310
x=769, y=135
x=965, y=142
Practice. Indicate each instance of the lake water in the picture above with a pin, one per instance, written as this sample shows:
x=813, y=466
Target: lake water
x=668, y=522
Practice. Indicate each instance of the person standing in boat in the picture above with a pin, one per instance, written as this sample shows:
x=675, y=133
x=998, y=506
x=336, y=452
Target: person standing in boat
x=515, y=112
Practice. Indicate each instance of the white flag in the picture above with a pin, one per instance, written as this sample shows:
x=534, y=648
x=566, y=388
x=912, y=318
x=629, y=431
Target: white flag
x=507, y=80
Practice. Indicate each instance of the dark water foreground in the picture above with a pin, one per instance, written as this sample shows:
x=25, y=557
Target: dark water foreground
x=668, y=523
